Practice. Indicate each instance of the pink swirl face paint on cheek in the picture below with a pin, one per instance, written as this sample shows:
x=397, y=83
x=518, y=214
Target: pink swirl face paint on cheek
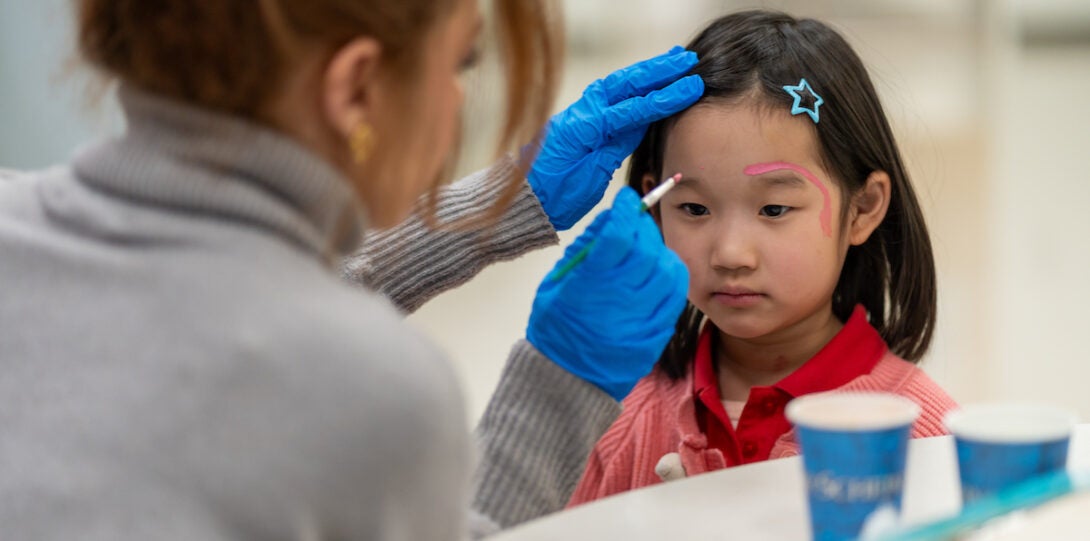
x=826, y=210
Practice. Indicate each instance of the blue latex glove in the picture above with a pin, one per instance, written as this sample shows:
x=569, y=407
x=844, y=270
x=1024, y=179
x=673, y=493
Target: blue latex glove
x=585, y=143
x=609, y=319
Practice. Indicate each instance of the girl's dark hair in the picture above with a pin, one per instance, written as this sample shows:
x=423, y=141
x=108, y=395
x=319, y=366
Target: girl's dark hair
x=752, y=55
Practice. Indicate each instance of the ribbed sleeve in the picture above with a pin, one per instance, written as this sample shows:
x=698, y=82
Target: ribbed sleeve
x=412, y=263
x=535, y=436
x=656, y=414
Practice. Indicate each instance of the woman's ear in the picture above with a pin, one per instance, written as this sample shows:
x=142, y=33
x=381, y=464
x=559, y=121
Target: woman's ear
x=350, y=85
x=868, y=207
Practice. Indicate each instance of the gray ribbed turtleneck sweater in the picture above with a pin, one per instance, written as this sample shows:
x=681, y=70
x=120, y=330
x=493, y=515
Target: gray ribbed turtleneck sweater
x=181, y=359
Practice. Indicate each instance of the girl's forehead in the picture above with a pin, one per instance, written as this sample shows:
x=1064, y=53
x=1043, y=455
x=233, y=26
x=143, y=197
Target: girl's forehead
x=717, y=134
x=745, y=125
x=738, y=140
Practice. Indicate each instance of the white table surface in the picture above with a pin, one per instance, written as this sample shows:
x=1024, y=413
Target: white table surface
x=766, y=500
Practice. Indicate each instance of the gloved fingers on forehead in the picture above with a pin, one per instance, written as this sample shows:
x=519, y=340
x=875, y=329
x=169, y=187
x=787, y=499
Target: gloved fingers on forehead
x=650, y=74
x=657, y=105
x=621, y=145
x=588, y=134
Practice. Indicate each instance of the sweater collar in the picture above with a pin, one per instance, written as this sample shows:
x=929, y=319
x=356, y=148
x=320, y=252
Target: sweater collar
x=192, y=160
x=853, y=352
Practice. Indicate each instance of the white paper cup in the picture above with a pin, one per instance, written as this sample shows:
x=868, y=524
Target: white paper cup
x=853, y=449
x=1001, y=444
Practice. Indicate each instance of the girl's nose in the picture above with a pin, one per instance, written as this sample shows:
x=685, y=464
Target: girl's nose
x=734, y=248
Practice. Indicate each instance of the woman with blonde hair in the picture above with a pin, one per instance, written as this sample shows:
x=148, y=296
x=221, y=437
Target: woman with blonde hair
x=180, y=356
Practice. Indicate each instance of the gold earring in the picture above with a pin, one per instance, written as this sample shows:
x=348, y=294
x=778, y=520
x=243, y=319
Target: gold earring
x=362, y=142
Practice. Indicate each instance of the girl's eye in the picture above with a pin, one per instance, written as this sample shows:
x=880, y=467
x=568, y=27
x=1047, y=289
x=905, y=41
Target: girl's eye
x=693, y=209
x=774, y=211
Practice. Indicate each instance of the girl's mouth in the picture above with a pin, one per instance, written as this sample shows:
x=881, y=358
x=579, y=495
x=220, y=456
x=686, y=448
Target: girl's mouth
x=737, y=297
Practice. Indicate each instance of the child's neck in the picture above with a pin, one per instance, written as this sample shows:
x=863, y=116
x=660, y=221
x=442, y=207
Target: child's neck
x=763, y=361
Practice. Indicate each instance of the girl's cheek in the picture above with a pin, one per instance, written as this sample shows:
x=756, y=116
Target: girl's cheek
x=689, y=248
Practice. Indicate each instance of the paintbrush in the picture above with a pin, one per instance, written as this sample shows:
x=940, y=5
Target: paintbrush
x=648, y=201
x=1024, y=495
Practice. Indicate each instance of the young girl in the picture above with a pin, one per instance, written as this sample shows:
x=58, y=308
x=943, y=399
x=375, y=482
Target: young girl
x=810, y=265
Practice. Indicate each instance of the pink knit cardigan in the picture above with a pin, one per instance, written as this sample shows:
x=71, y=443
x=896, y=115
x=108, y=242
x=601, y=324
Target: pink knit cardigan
x=660, y=417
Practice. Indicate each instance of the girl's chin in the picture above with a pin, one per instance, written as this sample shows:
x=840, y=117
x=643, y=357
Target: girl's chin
x=737, y=328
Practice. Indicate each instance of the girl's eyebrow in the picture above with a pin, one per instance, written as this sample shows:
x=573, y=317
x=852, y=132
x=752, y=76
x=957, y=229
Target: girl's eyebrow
x=826, y=210
x=686, y=180
x=692, y=183
x=769, y=167
x=787, y=181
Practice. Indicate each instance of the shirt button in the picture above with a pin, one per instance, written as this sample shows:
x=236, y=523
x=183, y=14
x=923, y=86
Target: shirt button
x=770, y=406
x=749, y=449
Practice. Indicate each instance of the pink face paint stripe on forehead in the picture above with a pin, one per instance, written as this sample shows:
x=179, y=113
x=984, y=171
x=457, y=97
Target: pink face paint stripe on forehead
x=826, y=209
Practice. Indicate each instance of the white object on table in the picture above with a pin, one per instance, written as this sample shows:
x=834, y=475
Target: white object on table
x=759, y=501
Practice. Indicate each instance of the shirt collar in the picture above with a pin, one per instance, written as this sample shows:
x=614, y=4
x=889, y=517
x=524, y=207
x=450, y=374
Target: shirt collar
x=854, y=351
x=851, y=353
x=705, y=382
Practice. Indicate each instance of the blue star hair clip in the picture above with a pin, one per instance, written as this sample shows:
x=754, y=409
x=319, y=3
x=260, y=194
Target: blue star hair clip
x=804, y=93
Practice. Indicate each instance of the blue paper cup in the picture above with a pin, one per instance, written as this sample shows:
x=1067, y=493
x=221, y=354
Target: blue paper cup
x=853, y=450
x=999, y=445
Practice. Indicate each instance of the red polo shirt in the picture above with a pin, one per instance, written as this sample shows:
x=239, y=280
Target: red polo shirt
x=853, y=352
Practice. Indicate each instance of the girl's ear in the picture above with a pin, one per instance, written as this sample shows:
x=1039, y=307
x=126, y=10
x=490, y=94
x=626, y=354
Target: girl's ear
x=647, y=184
x=868, y=207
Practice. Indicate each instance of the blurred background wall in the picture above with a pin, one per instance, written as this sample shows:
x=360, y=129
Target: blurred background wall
x=989, y=100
